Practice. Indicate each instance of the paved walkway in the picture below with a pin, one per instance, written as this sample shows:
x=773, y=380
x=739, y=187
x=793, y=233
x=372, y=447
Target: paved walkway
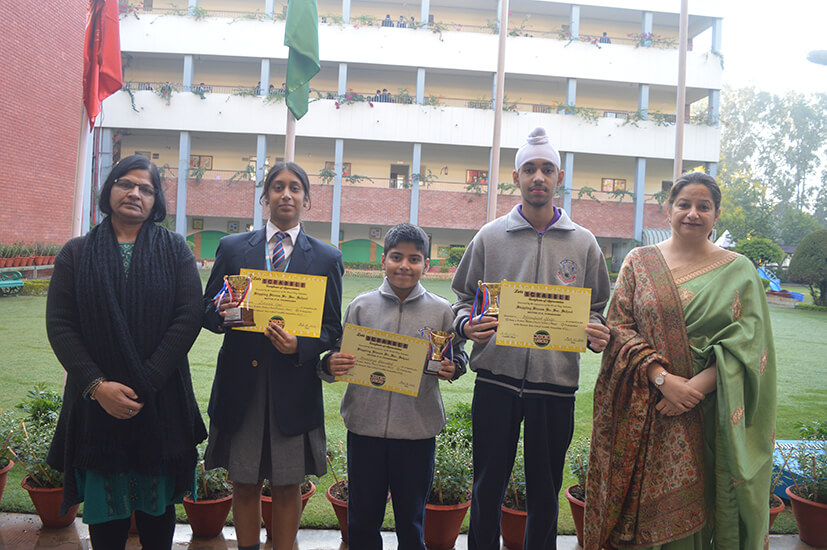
x=23, y=532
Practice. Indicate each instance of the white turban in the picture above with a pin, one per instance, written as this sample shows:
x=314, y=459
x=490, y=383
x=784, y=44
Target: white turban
x=537, y=147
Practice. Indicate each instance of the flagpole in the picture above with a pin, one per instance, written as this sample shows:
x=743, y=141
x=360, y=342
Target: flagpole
x=290, y=138
x=494, y=169
x=680, y=112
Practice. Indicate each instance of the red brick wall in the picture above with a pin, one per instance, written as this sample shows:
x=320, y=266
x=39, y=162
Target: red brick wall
x=40, y=110
x=384, y=206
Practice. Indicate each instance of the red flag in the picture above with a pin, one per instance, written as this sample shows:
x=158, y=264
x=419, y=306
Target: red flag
x=102, y=75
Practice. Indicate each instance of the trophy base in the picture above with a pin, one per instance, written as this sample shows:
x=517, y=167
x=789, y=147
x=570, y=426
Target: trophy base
x=239, y=317
x=432, y=367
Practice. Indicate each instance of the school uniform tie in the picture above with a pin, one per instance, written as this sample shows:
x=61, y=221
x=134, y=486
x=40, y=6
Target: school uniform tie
x=279, y=259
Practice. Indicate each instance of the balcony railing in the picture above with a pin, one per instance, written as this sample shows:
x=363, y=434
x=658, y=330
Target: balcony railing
x=592, y=114
x=368, y=20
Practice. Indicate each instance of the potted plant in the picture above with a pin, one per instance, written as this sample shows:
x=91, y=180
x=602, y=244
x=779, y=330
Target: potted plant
x=30, y=448
x=578, y=458
x=512, y=524
x=337, y=493
x=308, y=489
x=208, y=508
x=808, y=497
x=7, y=432
x=450, y=494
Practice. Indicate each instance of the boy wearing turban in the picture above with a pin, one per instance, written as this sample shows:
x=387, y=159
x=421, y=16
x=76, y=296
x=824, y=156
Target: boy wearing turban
x=536, y=242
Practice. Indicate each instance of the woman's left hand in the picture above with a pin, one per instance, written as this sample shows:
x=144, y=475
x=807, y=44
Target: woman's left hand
x=446, y=370
x=668, y=408
x=598, y=336
x=282, y=340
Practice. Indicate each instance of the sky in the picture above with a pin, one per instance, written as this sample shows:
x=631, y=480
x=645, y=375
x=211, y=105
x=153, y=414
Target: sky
x=765, y=44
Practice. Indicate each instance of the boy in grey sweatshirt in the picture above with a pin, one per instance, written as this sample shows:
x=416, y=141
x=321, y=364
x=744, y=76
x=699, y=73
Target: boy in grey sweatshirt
x=391, y=436
x=534, y=243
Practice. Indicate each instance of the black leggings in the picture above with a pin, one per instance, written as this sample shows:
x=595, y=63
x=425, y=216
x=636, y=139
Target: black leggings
x=155, y=532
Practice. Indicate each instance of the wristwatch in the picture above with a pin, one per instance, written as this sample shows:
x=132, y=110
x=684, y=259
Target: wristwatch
x=660, y=378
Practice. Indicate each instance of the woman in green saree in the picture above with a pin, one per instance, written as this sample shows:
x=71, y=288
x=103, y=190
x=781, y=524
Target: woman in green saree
x=684, y=405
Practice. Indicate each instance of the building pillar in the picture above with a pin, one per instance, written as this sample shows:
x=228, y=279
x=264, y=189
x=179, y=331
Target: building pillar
x=424, y=13
x=420, y=86
x=640, y=196
x=261, y=160
x=714, y=98
x=346, y=12
x=646, y=25
x=712, y=169
x=568, y=162
x=184, y=145
x=715, y=46
x=499, y=11
x=269, y=9
x=86, y=210
x=643, y=101
x=104, y=166
x=646, y=22
x=574, y=21
x=342, y=79
x=571, y=91
x=191, y=4
x=264, y=89
x=336, y=208
x=188, y=69
x=416, y=177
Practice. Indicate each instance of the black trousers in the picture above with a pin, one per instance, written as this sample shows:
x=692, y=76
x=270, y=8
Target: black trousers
x=549, y=424
x=155, y=532
x=374, y=465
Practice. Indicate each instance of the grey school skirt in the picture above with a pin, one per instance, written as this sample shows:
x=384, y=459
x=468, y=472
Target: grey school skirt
x=258, y=450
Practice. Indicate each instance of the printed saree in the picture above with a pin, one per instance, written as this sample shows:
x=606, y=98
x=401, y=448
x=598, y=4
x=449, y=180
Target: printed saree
x=702, y=477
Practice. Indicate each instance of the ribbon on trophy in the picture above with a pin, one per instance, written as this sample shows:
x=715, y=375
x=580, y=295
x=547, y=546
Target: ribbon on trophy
x=481, y=303
x=227, y=289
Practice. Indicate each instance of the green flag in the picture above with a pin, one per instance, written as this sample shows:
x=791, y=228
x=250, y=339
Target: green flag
x=301, y=35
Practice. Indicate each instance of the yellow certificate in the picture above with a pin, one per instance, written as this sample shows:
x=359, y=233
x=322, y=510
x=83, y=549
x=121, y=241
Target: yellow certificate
x=543, y=316
x=384, y=360
x=294, y=300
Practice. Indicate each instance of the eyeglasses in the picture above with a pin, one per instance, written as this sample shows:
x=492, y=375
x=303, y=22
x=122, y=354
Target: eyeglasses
x=127, y=186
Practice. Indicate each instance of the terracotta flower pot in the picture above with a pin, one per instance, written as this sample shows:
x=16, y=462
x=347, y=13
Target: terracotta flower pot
x=267, y=508
x=207, y=517
x=3, y=262
x=776, y=508
x=4, y=474
x=578, y=508
x=47, y=504
x=442, y=524
x=28, y=260
x=512, y=528
x=340, y=507
x=811, y=517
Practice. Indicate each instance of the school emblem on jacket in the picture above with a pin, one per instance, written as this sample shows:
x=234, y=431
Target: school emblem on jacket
x=567, y=271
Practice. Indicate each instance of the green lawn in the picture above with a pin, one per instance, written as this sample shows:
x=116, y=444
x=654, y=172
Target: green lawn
x=800, y=347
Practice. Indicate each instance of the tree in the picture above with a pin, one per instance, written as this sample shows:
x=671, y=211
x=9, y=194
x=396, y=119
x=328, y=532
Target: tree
x=760, y=251
x=809, y=265
x=778, y=139
x=745, y=210
x=455, y=255
x=793, y=225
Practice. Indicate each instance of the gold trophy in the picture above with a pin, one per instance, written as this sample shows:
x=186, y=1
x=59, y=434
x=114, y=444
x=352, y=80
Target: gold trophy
x=238, y=287
x=439, y=341
x=493, y=309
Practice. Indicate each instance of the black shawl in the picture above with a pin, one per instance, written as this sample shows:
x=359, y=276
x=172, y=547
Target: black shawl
x=137, y=331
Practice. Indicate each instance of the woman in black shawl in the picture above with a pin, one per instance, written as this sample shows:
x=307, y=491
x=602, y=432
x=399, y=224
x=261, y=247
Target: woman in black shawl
x=122, y=313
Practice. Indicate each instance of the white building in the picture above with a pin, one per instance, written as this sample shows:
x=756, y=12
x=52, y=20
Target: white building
x=608, y=107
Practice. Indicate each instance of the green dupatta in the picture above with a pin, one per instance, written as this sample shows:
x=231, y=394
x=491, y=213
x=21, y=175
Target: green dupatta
x=655, y=479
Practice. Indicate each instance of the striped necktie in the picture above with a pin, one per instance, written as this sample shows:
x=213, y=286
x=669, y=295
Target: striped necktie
x=279, y=259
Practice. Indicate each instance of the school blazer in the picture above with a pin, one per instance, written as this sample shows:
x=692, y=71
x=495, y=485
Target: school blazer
x=296, y=389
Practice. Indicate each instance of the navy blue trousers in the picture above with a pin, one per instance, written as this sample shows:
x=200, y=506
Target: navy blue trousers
x=376, y=465
x=549, y=424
